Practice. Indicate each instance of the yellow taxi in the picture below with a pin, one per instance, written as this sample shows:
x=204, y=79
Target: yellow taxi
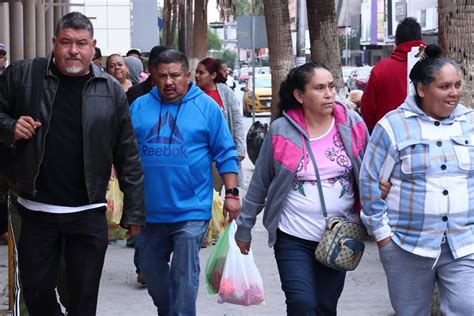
x=263, y=94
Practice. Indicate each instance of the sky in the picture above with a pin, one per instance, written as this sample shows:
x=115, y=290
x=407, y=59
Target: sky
x=212, y=13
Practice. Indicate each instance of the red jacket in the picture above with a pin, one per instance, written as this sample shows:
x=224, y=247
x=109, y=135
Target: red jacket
x=387, y=86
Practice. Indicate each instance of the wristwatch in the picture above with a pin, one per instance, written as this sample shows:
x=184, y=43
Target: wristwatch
x=233, y=191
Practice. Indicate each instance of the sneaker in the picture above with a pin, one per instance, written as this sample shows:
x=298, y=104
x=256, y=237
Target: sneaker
x=141, y=279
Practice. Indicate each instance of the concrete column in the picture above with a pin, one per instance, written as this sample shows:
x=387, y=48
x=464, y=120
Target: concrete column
x=40, y=29
x=67, y=7
x=300, y=31
x=58, y=13
x=49, y=25
x=16, y=31
x=4, y=25
x=29, y=18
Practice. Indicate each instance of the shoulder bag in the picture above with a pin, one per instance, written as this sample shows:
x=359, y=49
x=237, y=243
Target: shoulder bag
x=341, y=246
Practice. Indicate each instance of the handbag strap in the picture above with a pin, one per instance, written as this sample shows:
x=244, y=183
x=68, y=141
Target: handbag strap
x=316, y=171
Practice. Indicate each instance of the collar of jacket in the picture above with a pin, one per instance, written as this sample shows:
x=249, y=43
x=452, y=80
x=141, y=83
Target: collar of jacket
x=411, y=108
x=94, y=71
x=402, y=50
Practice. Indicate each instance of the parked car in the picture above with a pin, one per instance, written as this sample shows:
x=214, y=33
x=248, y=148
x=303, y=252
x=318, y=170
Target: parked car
x=263, y=94
x=358, y=78
x=262, y=70
x=244, y=74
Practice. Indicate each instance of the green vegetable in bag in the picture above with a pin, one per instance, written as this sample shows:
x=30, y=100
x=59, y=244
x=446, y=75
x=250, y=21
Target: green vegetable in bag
x=215, y=263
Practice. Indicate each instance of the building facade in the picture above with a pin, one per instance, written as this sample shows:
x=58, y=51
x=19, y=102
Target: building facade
x=27, y=26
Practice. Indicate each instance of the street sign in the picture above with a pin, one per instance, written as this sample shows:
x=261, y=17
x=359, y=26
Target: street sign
x=244, y=32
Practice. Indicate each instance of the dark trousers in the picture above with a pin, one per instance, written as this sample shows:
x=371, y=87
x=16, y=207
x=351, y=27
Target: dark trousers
x=3, y=215
x=84, y=235
x=310, y=287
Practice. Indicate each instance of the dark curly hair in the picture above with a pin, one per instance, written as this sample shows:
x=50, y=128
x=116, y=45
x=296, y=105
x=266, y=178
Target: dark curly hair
x=408, y=30
x=425, y=70
x=297, y=79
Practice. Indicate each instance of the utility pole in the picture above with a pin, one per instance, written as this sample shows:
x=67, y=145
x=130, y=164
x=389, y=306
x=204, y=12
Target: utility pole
x=300, y=32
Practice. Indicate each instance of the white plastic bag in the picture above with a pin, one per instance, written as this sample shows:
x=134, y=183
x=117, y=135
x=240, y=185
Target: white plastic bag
x=241, y=282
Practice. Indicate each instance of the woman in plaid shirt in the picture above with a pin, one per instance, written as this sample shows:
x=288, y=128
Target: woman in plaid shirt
x=425, y=227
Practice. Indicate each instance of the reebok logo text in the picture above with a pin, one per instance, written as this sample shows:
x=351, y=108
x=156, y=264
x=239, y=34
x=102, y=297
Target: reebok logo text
x=148, y=151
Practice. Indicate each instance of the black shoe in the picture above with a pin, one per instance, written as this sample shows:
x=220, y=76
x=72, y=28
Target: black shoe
x=131, y=242
x=141, y=279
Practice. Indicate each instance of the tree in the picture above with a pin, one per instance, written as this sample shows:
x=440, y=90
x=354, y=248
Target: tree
x=277, y=21
x=166, y=22
x=199, y=33
x=189, y=27
x=456, y=35
x=181, y=27
x=170, y=17
x=213, y=41
x=185, y=25
x=323, y=36
x=226, y=9
x=244, y=7
x=228, y=56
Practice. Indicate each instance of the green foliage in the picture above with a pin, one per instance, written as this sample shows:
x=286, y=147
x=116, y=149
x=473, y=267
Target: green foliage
x=228, y=56
x=244, y=7
x=213, y=41
x=342, y=45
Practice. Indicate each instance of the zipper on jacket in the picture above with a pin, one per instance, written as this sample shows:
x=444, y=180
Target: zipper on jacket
x=45, y=135
x=83, y=138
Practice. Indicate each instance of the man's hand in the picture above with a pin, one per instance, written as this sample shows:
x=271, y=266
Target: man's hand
x=133, y=229
x=244, y=246
x=231, y=208
x=382, y=243
x=25, y=128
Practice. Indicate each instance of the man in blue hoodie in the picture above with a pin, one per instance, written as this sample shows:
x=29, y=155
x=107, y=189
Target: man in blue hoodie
x=180, y=132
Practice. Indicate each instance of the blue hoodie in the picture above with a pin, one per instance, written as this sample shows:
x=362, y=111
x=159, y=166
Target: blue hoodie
x=177, y=143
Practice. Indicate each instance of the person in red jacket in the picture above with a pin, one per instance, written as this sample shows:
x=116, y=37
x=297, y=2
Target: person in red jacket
x=387, y=86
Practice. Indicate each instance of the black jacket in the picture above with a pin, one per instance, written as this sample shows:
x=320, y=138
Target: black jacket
x=138, y=90
x=107, y=132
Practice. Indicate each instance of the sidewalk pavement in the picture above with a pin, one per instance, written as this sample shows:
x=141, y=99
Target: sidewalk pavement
x=365, y=292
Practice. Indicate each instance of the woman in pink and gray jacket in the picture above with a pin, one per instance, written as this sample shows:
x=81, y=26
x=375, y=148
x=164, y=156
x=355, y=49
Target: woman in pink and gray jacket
x=284, y=182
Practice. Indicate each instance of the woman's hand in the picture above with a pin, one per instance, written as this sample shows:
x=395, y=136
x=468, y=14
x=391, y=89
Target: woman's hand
x=385, y=188
x=244, y=246
x=382, y=243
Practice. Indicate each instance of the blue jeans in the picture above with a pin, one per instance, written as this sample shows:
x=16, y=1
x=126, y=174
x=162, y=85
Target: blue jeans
x=310, y=287
x=173, y=287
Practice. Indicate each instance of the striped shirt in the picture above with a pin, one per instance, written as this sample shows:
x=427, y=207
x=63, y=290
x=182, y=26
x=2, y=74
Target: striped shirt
x=430, y=164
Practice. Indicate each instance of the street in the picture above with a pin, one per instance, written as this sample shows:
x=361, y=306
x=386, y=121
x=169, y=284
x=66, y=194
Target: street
x=365, y=291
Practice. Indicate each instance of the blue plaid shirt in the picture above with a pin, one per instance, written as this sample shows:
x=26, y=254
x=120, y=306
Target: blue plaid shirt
x=430, y=164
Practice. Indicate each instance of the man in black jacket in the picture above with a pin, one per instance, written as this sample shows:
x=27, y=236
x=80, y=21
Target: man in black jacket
x=144, y=87
x=66, y=123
